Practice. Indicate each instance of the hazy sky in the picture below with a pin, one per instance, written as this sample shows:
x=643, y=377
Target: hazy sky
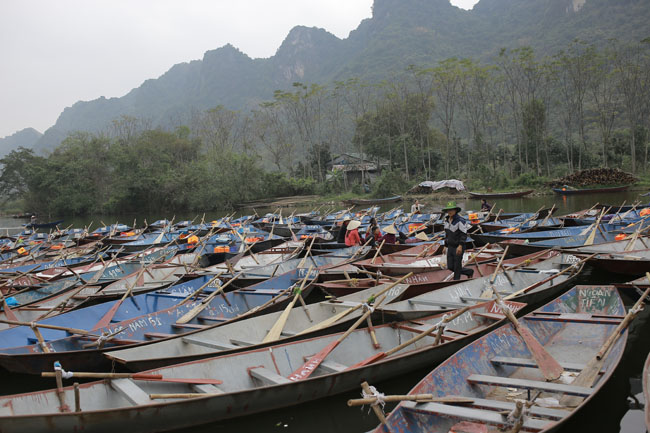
x=56, y=52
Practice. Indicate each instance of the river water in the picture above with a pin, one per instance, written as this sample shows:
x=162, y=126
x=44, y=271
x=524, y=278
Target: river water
x=611, y=411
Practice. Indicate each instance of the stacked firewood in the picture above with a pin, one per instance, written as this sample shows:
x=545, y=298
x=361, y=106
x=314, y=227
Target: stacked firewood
x=595, y=176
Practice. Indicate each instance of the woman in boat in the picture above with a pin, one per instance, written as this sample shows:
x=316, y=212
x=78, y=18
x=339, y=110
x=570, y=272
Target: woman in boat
x=373, y=233
x=485, y=206
x=340, y=238
x=352, y=237
x=390, y=235
x=455, y=237
x=415, y=207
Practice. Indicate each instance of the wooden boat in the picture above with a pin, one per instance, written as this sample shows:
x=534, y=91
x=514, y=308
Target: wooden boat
x=425, y=282
x=421, y=258
x=496, y=369
x=372, y=201
x=47, y=225
x=532, y=234
x=496, y=195
x=520, y=247
x=567, y=191
x=20, y=350
x=531, y=285
x=247, y=383
x=250, y=334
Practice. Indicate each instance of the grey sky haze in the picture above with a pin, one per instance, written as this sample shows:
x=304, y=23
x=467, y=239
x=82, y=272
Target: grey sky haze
x=56, y=52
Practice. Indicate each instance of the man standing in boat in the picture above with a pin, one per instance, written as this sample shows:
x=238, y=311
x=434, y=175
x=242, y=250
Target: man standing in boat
x=455, y=237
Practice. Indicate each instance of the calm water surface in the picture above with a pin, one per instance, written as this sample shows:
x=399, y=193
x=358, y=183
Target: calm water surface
x=610, y=411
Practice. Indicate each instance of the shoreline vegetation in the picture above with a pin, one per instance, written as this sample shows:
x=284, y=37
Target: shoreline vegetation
x=513, y=123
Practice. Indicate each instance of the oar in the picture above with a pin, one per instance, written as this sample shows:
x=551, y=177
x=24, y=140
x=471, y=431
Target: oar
x=278, y=326
x=205, y=302
x=592, y=235
x=308, y=368
x=134, y=376
x=45, y=326
x=106, y=319
x=587, y=377
x=438, y=326
x=487, y=294
x=550, y=368
x=378, y=251
x=546, y=280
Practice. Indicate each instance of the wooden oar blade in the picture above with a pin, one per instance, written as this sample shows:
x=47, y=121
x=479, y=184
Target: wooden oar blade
x=304, y=371
x=549, y=367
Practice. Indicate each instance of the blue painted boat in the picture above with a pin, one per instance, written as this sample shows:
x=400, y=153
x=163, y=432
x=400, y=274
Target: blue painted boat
x=20, y=351
x=572, y=328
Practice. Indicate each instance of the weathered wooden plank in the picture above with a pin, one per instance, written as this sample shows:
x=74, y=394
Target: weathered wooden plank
x=267, y=376
x=535, y=411
x=212, y=344
x=469, y=414
x=132, y=392
x=530, y=384
x=524, y=362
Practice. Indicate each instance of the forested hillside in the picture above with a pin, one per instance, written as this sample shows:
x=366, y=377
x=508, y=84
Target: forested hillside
x=527, y=105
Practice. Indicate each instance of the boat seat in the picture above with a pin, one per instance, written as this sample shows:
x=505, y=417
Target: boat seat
x=473, y=299
x=206, y=388
x=491, y=316
x=267, y=377
x=212, y=319
x=481, y=379
x=576, y=318
x=418, y=329
x=188, y=325
x=332, y=366
x=132, y=392
x=242, y=343
x=535, y=411
x=469, y=414
x=212, y=344
x=530, y=363
x=157, y=335
x=441, y=304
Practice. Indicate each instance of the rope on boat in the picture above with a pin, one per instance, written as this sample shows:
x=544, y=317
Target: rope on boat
x=368, y=307
x=517, y=415
x=64, y=374
x=380, y=397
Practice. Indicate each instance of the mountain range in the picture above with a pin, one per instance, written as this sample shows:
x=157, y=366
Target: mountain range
x=399, y=33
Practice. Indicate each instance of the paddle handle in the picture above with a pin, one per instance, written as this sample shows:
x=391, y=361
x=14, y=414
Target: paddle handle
x=546, y=280
x=410, y=397
x=624, y=323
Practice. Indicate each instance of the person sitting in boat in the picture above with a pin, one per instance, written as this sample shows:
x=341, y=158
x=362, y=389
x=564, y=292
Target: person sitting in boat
x=373, y=234
x=352, y=237
x=485, y=206
x=455, y=236
x=415, y=207
x=390, y=235
x=340, y=238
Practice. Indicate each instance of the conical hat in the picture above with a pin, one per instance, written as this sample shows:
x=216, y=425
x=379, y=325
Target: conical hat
x=422, y=236
x=390, y=230
x=354, y=224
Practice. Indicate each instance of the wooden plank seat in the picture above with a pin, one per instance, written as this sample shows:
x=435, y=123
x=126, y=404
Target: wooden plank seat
x=212, y=344
x=328, y=365
x=243, y=343
x=441, y=304
x=188, y=325
x=154, y=335
x=535, y=411
x=576, y=318
x=212, y=319
x=267, y=377
x=132, y=392
x=491, y=316
x=481, y=379
x=530, y=363
x=206, y=388
x=469, y=414
x=421, y=328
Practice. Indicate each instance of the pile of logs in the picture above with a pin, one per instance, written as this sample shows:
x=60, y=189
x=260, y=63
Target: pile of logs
x=595, y=176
